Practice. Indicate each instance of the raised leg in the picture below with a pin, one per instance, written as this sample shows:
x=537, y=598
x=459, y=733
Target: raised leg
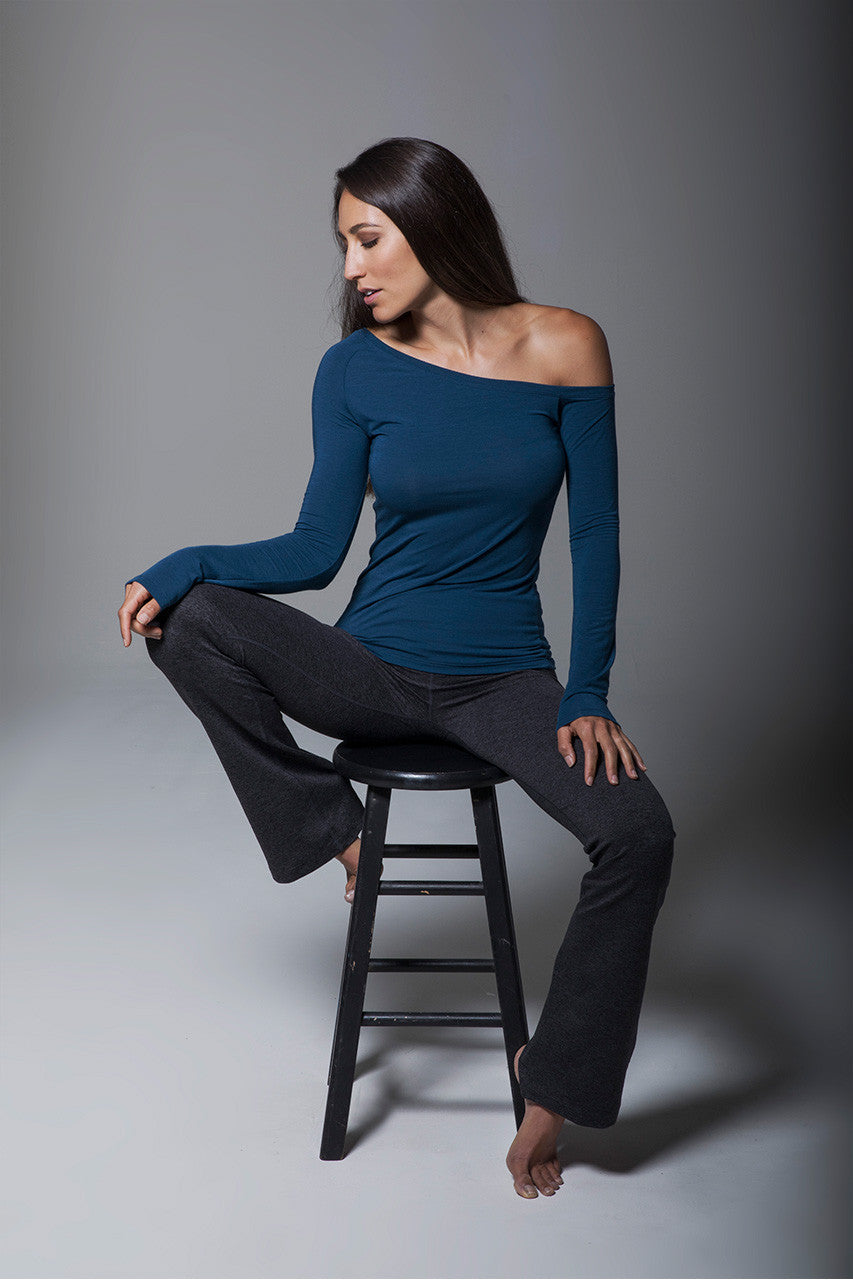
x=238, y=660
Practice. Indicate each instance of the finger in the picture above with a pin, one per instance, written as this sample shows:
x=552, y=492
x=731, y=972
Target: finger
x=124, y=624
x=640, y=761
x=149, y=630
x=149, y=610
x=590, y=753
x=627, y=758
x=611, y=758
x=126, y=619
x=564, y=744
x=150, y=633
x=134, y=595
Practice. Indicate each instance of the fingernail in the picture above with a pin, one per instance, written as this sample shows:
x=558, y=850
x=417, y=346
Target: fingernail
x=589, y=782
x=143, y=617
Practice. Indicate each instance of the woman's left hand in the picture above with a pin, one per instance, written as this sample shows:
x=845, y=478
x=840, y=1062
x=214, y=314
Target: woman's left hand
x=595, y=731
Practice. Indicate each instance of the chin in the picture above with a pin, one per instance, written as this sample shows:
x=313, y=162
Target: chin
x=392, y=318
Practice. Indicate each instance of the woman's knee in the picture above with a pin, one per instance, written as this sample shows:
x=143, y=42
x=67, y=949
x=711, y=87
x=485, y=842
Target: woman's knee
x=652, y=846
x=182, y=623
x=641, y=837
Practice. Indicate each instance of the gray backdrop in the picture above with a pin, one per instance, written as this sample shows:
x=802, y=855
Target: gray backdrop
x=673, y=170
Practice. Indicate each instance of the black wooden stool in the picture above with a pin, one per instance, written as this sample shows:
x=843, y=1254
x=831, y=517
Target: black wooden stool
x=421, y=766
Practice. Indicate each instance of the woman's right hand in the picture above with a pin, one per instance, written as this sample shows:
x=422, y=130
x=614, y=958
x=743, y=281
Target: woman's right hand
x=133, y=617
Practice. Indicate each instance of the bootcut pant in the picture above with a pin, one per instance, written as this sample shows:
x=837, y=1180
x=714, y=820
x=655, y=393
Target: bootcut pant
x=239, y=660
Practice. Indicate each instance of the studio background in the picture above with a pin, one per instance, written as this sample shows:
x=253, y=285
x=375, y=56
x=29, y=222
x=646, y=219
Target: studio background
x=674, y=170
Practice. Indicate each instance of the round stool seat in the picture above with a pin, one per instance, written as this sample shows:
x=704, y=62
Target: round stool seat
x=418, y=766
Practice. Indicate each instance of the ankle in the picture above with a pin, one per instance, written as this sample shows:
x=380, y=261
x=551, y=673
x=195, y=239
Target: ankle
x=349, y=856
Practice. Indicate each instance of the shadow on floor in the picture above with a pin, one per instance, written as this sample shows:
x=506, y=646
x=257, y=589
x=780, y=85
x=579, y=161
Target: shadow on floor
x=630, y=1144
x=638, y=1140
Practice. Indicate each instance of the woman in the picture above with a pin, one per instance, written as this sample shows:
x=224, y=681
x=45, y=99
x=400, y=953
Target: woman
x=465, y=405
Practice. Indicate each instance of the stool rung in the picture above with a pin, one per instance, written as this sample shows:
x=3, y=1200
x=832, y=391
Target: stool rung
x=429, y=887
x=442, y=964
x=401, y=1019
x=431, y=851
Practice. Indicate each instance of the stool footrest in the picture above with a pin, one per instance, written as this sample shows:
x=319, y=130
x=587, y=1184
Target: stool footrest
x=441, y=964
x=431, y=851
x=377, y=1018
x=428, y=887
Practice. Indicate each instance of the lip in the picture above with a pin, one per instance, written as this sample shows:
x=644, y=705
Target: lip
x=373, y=292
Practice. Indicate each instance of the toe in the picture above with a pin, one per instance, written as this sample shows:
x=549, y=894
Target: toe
x=521, y=1179
x=525, y=1188
x=542, y=1180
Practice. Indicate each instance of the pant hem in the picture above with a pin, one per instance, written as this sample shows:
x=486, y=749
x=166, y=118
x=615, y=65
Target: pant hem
x=569, y=1111
x=284, y=875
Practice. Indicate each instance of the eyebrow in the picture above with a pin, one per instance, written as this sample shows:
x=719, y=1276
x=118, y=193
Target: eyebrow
x=358, y=226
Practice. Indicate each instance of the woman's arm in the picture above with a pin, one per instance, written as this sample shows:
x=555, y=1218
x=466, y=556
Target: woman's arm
x=311, y=555
x=588, y=431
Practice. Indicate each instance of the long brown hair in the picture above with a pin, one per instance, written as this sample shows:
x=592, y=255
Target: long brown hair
x=435, y=200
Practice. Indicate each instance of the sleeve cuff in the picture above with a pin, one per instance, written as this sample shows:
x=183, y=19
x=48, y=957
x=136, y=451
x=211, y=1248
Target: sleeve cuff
x=170, y=579
x=574, y=705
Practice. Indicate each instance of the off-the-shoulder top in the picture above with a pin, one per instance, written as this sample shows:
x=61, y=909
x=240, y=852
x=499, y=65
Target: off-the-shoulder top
x=466, y=471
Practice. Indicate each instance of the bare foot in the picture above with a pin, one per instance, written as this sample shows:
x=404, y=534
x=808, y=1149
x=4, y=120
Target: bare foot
x=532, y=1158
x=349, y=858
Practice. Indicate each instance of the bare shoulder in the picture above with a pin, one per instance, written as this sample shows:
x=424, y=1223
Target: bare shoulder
x=571, y=346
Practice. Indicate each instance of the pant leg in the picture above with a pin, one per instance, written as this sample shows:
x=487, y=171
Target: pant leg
x=575, y=1062
x=238, y=660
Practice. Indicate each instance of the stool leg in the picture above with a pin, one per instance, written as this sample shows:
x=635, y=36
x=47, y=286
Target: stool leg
x=354, y=975
x=502, y=930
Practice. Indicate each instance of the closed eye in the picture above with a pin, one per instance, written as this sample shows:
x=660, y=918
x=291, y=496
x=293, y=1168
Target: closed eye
x=366, y=244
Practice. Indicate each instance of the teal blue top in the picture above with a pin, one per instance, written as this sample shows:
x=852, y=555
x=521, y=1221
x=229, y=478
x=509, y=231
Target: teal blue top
x=466, y=472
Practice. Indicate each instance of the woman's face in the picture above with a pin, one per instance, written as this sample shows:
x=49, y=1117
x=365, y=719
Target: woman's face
x=379, y=258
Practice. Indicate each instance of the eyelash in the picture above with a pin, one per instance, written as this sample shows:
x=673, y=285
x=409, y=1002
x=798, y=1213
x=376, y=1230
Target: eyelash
x=365, y=244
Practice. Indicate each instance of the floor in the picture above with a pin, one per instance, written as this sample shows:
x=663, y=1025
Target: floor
x=167, y=1021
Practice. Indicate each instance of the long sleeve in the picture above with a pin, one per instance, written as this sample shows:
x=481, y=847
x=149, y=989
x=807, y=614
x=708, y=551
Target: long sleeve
x=311, y=555
x=588, y=431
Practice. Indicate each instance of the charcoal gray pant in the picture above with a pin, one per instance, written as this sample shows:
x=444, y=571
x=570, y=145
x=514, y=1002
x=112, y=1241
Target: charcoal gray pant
x=239, y=660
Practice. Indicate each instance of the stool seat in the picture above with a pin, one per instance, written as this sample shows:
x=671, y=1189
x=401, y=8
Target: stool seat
x=417, y=766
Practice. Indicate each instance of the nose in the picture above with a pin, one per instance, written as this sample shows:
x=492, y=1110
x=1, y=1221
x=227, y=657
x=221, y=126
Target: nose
x=352, y=265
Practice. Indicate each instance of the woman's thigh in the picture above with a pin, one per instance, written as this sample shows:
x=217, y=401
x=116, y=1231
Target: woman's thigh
x=253, y=646
x=511, y=719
